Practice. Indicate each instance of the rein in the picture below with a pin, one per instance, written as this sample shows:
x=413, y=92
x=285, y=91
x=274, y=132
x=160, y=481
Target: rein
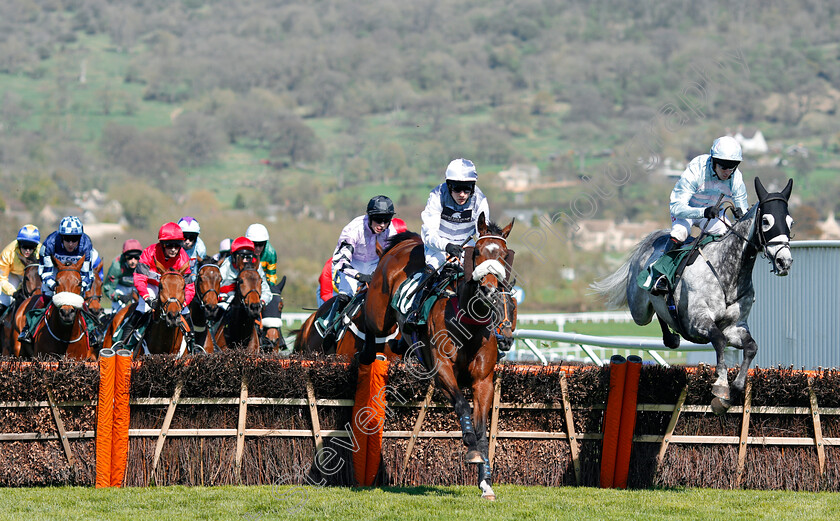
x=50, y=331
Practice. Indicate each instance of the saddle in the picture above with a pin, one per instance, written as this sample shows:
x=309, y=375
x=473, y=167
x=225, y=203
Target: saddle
x=410, y=296
x=673, y=263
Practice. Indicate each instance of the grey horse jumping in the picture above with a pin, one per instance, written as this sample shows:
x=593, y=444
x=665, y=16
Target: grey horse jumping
x=715, y=294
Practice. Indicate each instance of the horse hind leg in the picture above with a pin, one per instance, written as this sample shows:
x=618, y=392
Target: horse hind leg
x=750, y=349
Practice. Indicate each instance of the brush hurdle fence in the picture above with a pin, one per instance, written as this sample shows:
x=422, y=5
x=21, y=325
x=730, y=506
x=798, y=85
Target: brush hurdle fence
x=232, y=418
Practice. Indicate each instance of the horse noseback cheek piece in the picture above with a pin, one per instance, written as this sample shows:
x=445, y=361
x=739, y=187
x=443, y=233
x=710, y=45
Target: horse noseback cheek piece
x=66, y=298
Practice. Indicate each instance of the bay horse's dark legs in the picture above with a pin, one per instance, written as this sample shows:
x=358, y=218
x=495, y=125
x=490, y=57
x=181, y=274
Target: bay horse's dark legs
x=449, y=385
x=482, y=402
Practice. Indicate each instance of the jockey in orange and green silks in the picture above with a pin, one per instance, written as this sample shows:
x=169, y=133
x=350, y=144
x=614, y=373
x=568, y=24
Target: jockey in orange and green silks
x=14, y=258
x=258, y=234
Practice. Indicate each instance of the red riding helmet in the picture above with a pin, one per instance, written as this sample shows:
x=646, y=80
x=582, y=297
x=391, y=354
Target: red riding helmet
x=399, y=225
x=170, y=232
x=242, y=243
x=132, y=245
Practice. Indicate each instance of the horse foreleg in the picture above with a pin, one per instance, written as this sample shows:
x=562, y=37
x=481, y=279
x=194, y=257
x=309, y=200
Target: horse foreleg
x=669, y=338
x=720, y=389
x=482, y=401
x=449, y=385
x=750, y=349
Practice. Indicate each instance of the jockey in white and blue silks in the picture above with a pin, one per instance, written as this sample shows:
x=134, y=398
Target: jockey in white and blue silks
x=355, y=258
x=447, y=224
x=67, y=245
x=449, y=220
x=193, y=245
x=693, y=199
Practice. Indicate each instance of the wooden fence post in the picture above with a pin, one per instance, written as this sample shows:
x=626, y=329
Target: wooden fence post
x=818, y=437
x=167, y=421
x=571, y=432
x=745, y=428
x=240, y=428
x=62, y=434
x=672, y=425
x=494, y=419
x=416, y=431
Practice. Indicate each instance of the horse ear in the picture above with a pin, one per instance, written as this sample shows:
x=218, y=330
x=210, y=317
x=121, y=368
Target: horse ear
x=506, y=230
x=788, y=189
x=379, y=249
x=78, y=264
x=760, y=190
x=482, y=224
x=159, y=267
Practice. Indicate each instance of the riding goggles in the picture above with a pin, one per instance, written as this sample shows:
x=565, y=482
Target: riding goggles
x=727, y=165
x=192, y=237
x=172, y=244
x=25, y=245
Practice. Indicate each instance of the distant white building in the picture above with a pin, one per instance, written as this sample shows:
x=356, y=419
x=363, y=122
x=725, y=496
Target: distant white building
x=519, y=178
x=752, y=142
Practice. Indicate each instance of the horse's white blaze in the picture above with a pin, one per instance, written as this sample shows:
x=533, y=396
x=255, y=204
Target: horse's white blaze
x=780, y=254
x=487, y=267
x=67, y=298
x=491, y=248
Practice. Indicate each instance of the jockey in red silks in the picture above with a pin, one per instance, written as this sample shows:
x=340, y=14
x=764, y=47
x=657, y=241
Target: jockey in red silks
x=170, y=255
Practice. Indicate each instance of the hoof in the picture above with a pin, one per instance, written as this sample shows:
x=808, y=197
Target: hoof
x=474, y=456
x=672, y=342
x=720, y=406
x=487, y=491
x=721, y=392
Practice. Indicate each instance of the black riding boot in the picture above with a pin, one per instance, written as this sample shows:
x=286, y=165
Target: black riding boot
x=660, y=287
x=3, y=308
x=129, y=326
x=332, y=321
x=424, y=287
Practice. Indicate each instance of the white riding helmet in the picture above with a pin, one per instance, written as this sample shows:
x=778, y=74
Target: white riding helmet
x=189, y=225
x=461, y=170
x=257, y=233
x=224, y=246
x=726, y=148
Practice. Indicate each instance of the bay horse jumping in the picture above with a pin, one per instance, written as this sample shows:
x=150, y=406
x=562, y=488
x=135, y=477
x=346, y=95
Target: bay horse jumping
x=29, y=285
x=63, y=330
x=241, y=322
x=459, y=345
x=714, y=296
x=204, y=308
x=167, y=330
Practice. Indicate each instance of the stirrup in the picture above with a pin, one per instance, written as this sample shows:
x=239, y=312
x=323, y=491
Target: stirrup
x=660, y=286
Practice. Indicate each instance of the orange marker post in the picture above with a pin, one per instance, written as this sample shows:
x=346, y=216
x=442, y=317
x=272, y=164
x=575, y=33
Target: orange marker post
x=612, y=420
x=122, y=414
x=628, y=421
x=105, y=417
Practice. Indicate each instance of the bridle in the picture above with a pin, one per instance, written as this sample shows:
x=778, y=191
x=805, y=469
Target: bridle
x=760, y=243
x=500, y=291
x=163, y=303
x=202, y=294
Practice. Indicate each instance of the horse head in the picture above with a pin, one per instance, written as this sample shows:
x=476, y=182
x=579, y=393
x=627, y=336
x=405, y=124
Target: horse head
x=248, y=289
x=172, y=295
x=93, y=296
x=31, y=280
x=208, y=282
x=492, y=264
x=772, y=226
x=68, y=282
x=271, y=339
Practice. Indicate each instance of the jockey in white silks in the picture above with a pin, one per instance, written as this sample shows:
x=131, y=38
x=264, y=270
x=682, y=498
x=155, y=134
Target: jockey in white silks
x=693, y=199
x=355, y=255
x=449, y=220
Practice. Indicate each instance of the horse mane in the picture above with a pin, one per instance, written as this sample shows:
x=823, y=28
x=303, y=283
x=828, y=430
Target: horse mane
x=398, y=238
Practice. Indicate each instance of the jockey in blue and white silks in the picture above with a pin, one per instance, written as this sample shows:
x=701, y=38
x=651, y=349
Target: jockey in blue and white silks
x=704, y=180
x=693, y=199
x=447, y=222
x=67, y=245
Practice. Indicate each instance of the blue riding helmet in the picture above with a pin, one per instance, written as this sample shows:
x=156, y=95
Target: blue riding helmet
x=71, y=225
x=29, y=233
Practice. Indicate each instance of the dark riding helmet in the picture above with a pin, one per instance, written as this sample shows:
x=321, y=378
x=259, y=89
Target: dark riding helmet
x=380, y=205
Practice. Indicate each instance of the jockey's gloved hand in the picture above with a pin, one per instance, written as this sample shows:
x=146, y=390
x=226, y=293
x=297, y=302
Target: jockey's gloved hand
x=710, y=212
x=364, y=278
x=150, y=301
x=738, y=213
x=454, y=250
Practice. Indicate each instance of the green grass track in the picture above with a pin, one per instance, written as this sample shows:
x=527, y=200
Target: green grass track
x=416, y=503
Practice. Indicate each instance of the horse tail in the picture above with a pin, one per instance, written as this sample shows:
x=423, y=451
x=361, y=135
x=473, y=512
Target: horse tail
x=614, y=287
